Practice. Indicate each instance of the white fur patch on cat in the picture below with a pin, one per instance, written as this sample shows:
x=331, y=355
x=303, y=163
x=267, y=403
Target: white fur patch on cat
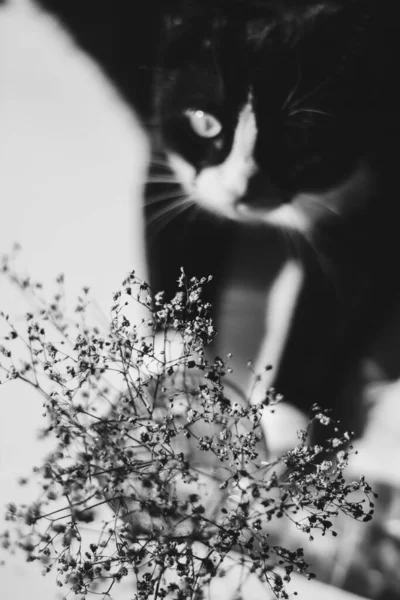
x=281, y=428
x=282, y=301
x=221, y=187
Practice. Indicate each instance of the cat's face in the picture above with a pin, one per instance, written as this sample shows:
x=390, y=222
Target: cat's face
x=260, y=108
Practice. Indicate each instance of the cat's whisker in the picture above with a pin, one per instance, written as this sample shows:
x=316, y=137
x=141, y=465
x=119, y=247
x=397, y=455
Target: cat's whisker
x=164, y=198
x=310, y=110
x=159, y=163
x=321, y=207
x=155, y=152
x=325, y=267
x=151, y=68
x=292, y=243
x=166, y=179
x=196, y=209
x=169, y=215
x=181, y=201
x=158, y=158
x=159, y=153
x=173, y=214
x=310, y=93
x=216, y=67
x=285, y=235
x=293, y=91
x=297, y=244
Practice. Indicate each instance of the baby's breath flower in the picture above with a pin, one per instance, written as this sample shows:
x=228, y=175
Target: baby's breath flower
x=157, y=455
x=323, y=419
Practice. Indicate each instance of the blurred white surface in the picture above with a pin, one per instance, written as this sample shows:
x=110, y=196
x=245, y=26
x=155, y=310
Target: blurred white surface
x=71, y=156
x=71, y=168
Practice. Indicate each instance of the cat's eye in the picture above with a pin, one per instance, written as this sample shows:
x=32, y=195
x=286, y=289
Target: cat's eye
x=203, y=123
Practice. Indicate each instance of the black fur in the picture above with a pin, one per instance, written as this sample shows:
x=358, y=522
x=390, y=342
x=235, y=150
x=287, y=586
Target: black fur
x=339, y=58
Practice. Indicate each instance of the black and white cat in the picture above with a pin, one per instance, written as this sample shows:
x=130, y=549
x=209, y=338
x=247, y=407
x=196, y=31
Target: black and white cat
x=275, y=126
x=279, y=115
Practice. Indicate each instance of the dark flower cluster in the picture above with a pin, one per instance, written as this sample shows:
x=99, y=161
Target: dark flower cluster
x=156, y=455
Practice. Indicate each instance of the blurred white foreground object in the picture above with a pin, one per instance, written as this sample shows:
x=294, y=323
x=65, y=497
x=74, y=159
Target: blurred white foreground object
x=72, y=160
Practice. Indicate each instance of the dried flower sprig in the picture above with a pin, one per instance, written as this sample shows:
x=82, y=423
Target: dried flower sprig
x=151, y=449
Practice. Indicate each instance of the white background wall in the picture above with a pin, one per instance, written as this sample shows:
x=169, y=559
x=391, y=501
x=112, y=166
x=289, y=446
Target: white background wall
x=71, y=166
